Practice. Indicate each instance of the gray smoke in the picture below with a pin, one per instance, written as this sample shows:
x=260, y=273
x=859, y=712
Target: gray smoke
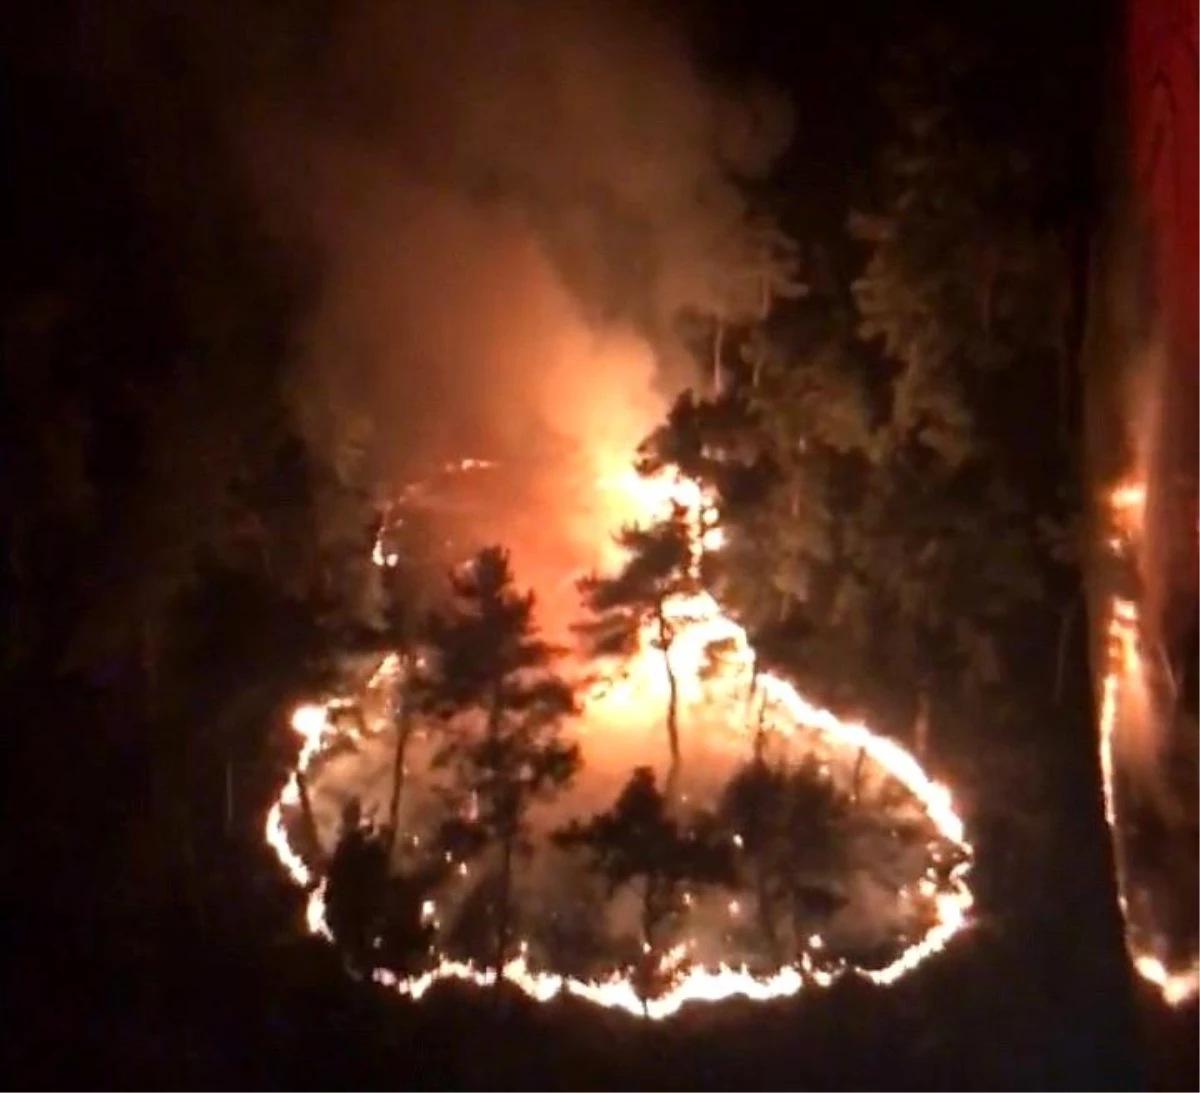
x=516, y=203
x=517, y=209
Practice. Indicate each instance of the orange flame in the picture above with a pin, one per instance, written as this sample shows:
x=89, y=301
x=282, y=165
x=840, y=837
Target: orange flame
x=700, y=624
x=1125, y=680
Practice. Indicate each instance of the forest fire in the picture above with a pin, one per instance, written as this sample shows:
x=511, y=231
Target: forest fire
x=1124, y=707
x=701, y=627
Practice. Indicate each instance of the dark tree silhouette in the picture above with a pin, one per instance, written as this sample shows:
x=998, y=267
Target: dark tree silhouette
x=409, y=928
x=503, y=707
x=793, y=828
x=638, y=842
x=661, y=564
x=186, y=524
x=409, y=593
x=356, y=887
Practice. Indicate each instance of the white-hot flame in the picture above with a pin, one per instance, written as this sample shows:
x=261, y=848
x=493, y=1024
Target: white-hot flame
x=700, y=624
x=1124, y=682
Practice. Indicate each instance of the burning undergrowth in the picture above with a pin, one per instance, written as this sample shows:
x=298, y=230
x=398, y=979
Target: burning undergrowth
x=850, y=864
x=769, y=846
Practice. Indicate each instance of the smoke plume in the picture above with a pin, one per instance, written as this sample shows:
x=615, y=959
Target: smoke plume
x=518, y=206
x=522, y=213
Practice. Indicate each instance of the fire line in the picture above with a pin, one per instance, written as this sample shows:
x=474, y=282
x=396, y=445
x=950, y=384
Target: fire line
x=701, y=624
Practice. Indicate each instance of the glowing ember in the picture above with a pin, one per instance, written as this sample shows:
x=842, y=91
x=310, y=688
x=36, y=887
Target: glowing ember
x=1176, y=987
x=1124, y=684
x=701, y=625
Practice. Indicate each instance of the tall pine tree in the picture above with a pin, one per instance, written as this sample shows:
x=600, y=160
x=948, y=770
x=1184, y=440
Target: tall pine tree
x=492, y=684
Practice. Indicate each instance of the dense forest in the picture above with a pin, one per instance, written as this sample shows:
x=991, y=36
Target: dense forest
x=884, y=406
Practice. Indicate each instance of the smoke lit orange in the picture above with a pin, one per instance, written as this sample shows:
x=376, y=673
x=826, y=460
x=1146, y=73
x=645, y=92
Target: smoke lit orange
x=1123, y=690
x=700, y=623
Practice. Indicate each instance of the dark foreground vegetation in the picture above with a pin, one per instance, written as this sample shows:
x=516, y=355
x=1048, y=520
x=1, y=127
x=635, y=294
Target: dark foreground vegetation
x=777, y=842
x=188, y=526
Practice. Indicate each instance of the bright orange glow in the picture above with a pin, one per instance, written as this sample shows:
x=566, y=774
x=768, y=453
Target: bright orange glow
x=1123, y=695
x=1177, y=988
x=701, y=624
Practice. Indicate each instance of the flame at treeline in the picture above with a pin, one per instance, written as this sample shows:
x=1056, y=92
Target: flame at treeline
x=1126, y=707
x=1146, y=457
x=701, y=627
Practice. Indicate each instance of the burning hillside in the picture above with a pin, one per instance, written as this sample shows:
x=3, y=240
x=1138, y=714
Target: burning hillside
x=872, y=877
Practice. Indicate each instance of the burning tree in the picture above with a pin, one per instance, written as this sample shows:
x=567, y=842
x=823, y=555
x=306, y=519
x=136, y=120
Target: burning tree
x=638, y=840
x=493, y=686
x=660, y=566
x=408, y=592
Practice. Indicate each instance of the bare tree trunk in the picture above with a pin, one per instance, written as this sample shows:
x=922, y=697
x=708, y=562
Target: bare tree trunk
x=856, y=783
x=403, y=732
x=766, y=920
x=766, y=917
x=503, y=912
x=398, y=771
x=495, y=713
x=672, y=713
x=672, y=729
x=760, y=732
x=648, y=917
x=649, y=927
x=799, y=923
x=664, y=641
